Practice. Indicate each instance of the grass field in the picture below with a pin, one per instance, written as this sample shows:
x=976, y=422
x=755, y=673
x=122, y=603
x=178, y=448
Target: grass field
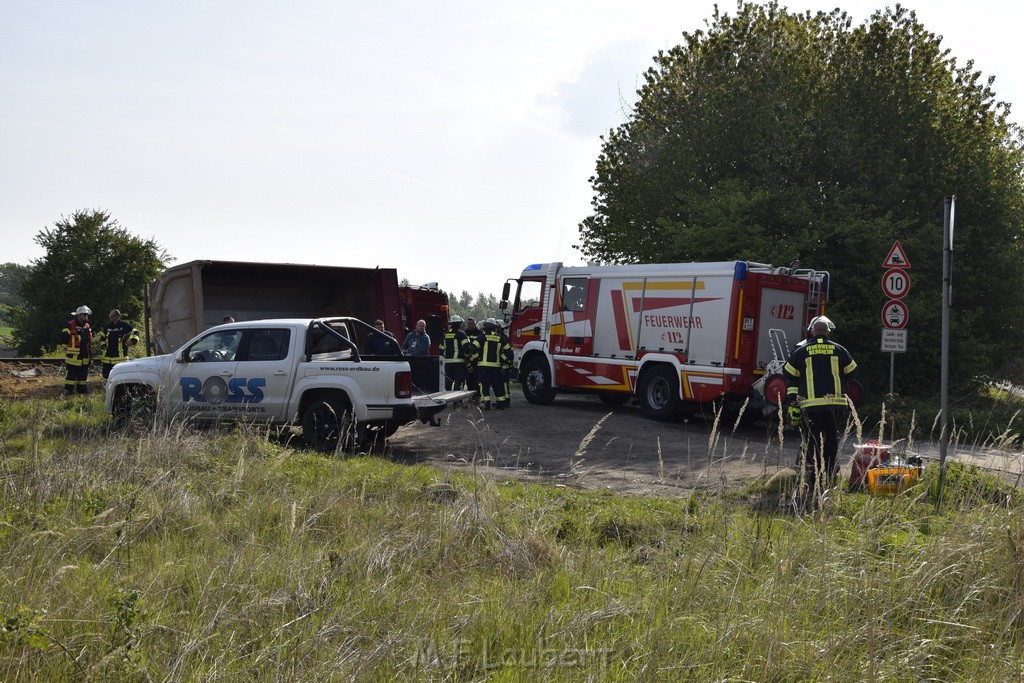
x=174, y=554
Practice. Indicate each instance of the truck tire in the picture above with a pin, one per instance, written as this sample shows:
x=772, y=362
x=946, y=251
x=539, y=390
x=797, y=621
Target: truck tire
x=659, y=393
x=327, y=425
x=535, y=378
x=133, y=403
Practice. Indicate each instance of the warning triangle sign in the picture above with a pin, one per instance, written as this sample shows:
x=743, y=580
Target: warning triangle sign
x=897, y=258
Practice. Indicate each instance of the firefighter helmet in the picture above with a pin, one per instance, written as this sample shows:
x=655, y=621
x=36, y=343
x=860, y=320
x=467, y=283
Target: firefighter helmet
x=83, y=310
x=823, y=320
x=491, y=321
x=456, y=319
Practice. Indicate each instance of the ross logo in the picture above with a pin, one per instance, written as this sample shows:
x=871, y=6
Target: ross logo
x=216, y=391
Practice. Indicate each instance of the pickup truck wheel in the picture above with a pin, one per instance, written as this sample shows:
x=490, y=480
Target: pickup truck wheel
x=133, y=404
x=659, y=393
x=327, y=424
x=535, y=378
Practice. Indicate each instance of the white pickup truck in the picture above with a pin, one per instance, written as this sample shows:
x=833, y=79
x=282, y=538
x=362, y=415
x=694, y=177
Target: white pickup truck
x=286, y=372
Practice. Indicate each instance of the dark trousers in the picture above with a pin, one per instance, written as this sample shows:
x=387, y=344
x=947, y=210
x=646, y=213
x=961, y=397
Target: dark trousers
x=74, y=380
x=454, y=376
x=821, y=431
x=491, y=379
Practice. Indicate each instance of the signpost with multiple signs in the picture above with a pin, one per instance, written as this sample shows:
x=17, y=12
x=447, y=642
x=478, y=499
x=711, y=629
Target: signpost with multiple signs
x=895, y=315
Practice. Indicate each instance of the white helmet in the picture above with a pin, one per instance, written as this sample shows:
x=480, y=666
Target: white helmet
x=83, y=310
x=491, y=321
x=821, y=319
x=456, y=319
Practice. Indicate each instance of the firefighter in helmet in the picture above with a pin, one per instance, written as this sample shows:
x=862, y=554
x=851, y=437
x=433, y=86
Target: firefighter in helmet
x=476, y=338
x=114, y=340
x=492, y=353
x=506, y=366
x=816, y=373
x=456, y=348
x=76, y=338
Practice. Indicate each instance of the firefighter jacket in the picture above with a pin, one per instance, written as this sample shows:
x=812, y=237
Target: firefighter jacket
x=456, y=346
x=77, y=341
x=114, y=340
x=817, y=371
x=494, y=351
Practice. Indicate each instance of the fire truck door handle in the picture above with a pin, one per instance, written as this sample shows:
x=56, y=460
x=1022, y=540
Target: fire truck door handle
x=577, y=340
x=536, y=330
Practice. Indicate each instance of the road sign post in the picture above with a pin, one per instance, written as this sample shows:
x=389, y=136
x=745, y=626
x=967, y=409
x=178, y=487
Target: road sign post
x=895, y=315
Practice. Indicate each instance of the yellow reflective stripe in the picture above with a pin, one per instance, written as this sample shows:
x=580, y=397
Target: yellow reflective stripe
x=791, y=369
x=823, y=401
x=850, y=367
x=836, y=378
x=809, y=366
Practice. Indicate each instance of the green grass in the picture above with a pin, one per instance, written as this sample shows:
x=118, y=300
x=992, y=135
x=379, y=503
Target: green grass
x=173, y=554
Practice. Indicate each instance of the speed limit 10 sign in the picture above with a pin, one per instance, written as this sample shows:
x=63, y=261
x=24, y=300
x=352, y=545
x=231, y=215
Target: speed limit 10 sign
x=895, y=283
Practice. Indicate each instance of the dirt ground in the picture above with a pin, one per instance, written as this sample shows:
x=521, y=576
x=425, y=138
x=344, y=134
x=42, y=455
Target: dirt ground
x=578, y=441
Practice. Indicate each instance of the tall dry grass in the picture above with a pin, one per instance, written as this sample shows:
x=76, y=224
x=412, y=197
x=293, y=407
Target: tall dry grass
x=174, y=554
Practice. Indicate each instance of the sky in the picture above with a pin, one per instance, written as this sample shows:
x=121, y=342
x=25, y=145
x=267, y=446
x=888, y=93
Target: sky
x=451, y=140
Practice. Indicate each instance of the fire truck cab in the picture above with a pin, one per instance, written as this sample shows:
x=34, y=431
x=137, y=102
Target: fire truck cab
x=674, y=335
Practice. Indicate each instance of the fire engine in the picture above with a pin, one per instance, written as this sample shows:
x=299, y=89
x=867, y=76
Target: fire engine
x=674, y=335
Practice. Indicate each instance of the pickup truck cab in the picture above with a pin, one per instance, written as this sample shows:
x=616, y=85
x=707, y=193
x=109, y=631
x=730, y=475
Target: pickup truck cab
x=286, y=372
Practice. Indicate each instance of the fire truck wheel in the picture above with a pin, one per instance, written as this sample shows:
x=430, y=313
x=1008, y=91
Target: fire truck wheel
x=535, y=378
x=659, y=393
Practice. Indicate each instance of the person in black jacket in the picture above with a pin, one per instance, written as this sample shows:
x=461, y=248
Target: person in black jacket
x=816, y=375
x=114, y=340
x=380, y=342
x=456, y=348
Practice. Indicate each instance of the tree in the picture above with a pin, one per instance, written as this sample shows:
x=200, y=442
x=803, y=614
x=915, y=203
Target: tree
x=90, y=260
x=12, y=277
x=482, y=307
x=775, y=136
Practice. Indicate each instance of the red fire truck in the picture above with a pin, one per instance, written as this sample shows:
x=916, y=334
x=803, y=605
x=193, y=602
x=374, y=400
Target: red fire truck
x=675, y=335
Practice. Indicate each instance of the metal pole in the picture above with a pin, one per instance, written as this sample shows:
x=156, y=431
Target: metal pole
x=947, y=277
x=892, y=370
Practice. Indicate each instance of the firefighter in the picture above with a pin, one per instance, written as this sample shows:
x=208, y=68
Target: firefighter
x=76, y=338
x=494, y=351
x=114, y=340
x=816, y=375
x=506, y=368
x=456, y=348
x=476, y=337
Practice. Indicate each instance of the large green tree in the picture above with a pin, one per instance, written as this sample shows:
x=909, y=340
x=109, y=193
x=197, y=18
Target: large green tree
x=12, y=276
x=772, y=136
x=90, y=260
